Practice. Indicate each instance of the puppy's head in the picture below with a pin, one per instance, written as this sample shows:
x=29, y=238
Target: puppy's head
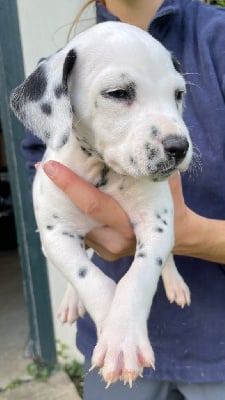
x=121, y=93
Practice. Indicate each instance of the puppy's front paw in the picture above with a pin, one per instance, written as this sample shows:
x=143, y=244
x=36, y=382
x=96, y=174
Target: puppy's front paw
x=71, y=307
x=122, y=351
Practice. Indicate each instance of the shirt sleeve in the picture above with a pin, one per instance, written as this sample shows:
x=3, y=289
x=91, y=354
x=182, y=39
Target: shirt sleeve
x=214, y=31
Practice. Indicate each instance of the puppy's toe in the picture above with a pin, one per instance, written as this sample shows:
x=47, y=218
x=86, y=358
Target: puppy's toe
x=179, y=293
x=122, y=357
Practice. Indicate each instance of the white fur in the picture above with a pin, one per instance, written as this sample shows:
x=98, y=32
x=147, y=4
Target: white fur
x=127, y=136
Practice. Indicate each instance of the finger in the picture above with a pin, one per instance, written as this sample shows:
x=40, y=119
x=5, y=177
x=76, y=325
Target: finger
x=176, y=190
x=175, y=184
x=110, y=244
x=104, y=253
x=90, y=200
x=37, y=164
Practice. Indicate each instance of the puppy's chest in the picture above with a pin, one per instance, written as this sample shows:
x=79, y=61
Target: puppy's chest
x=90, y=168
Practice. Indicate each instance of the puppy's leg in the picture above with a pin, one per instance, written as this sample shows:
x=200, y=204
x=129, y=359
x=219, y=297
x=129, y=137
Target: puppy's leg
x=123, y=347
x=175, y=287
x=71, y=307
x=65, y=249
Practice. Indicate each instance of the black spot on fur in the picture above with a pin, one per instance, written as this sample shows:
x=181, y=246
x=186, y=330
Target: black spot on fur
x=46, y=108
x=50, y=227
x=55, y=216
x=60, y=91
x=47, y=135
x=32, y=89
x=160, y=230
x=159, y=217
x=35, y=85
x=68, y=66
x=64, y=139
x=103, y=178
x=132, y=161
x=141, y=255
x=71, y=235
x=159, y=261
x=152, y=152
x=82, y=272
x=140, y=245
x=88, y=152
x=154, y=131
x=134, y=225
x=85, y=147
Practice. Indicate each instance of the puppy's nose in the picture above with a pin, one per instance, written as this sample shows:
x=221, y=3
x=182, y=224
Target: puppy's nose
x=176, y=147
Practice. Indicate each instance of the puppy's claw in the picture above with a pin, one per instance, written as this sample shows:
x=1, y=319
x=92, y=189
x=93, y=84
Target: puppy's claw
x=130, y=382
x=93, y=366
x=108, y=384
x=153, y=366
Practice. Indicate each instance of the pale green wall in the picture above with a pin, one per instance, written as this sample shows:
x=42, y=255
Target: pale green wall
x=44, y=25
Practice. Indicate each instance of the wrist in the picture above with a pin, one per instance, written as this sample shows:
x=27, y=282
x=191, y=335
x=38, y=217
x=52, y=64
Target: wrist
x=191, y=236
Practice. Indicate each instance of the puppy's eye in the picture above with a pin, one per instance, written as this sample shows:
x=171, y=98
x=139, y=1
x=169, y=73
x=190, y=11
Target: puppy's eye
x=179, y=93
x=120, y=94
x=127, y=93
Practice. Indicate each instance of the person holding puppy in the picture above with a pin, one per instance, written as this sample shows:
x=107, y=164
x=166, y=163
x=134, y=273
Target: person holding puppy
x=189, y=343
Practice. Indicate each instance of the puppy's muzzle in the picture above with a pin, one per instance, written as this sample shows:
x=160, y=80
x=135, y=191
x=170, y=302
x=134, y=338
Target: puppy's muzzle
x=176, y=157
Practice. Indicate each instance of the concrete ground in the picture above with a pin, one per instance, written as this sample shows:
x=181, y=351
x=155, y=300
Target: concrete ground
x=57, y=387
x=14, y=338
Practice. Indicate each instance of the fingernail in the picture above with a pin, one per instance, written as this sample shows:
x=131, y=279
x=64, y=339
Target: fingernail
x=50, y=169
x=37, y=164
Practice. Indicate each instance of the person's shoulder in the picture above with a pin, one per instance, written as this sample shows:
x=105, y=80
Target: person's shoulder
x=208, y=24
x=204, y=14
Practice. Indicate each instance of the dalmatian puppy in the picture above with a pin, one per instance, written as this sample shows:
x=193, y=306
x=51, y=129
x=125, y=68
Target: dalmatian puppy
x=109, y=107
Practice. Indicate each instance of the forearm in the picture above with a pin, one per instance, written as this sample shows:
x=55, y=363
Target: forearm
x=201, y=238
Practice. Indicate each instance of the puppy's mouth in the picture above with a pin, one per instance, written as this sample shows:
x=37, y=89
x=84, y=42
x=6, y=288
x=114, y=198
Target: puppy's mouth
x=162, y=176
x=163, y=169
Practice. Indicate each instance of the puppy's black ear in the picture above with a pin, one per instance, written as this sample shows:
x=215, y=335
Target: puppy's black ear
x=68, y=66
x=176, y=64
x=42, y=101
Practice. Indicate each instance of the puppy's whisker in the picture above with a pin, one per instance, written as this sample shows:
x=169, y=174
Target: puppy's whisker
x=192, y=84
x=195, y=167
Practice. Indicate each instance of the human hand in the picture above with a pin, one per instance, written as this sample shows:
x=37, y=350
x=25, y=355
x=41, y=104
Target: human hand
x=115, y=239
x=185, y=220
